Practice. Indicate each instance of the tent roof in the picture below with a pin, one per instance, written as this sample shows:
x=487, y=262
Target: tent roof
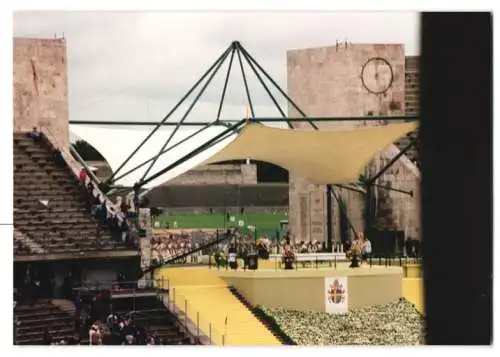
x=117, y=143
x=325, y=156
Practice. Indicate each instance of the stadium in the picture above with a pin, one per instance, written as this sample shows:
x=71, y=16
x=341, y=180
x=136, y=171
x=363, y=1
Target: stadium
x=196, y=247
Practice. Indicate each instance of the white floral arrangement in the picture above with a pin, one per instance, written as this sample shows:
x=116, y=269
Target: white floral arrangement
x=394, y=324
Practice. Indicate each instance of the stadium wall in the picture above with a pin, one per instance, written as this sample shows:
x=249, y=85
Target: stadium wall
x=214, y=196
x=231, y=209
x=217, y=175
x=327, y=81
x=41, y=86
x=201, y=175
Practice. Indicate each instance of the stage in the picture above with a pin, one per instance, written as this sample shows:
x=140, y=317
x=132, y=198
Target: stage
x=322, y=289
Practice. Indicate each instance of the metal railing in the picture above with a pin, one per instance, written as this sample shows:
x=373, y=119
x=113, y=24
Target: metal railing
x=133, y=287
x=194, y=321
x=74, y=166
x=316, y=261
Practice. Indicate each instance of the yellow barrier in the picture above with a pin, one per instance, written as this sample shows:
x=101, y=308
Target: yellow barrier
x=413, y=291
x=412, y=271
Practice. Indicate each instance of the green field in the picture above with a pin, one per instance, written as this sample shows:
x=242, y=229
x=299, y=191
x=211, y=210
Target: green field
x=261, y=221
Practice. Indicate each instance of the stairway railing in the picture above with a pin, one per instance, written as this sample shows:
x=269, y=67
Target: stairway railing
x=266, y=320
x=75, y=168
x=194, y=321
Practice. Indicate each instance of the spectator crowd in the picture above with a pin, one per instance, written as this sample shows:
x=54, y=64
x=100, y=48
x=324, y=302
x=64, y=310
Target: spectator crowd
x=121, y=330
x=172, y=244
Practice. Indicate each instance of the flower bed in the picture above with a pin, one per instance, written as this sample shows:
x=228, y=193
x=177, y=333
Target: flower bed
x=397, y=323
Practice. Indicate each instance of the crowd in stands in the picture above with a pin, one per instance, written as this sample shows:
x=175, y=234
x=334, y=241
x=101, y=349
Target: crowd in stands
x=121, y=329
x=301, y=247
x=100, y=325
x=97, y=325
x=173, y=245
x=124, y=227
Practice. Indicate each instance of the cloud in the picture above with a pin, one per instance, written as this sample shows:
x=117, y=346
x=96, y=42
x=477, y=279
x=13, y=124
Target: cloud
x=160, y=55
x=137, y=65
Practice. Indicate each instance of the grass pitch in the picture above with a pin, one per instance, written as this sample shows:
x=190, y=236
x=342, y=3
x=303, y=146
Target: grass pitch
x=260, y=220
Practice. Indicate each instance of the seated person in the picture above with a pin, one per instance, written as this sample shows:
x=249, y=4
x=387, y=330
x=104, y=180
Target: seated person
x=124, y=207
x=35, y=134
x=90, y=188
x=103, y=212
x=83, y=176
x=95, y=334
x=58, y=158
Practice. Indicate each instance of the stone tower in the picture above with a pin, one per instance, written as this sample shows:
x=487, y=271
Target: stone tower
x=41, y=86
x=349, y=80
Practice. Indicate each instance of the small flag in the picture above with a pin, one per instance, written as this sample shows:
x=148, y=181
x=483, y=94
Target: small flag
x=42, y=204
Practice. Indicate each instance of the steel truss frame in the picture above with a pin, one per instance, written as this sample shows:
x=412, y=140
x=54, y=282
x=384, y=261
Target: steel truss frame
x=235, y=125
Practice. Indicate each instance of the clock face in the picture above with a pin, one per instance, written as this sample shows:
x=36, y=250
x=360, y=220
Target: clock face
x=377, y=75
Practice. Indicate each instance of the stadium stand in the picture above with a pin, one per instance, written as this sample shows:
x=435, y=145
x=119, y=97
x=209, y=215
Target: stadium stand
x=152, y=315
x=51, y=208
x=32, y=322
x=66, y=236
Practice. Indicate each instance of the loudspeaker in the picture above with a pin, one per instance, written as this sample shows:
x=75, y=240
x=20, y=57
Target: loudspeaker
x=253, y=262
x=400, y=242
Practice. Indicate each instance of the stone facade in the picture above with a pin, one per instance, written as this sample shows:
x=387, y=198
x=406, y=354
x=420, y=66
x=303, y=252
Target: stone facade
x=329, y=81
x=41, y=86
x=412, y=85
x=201, y=175
x=218, y=175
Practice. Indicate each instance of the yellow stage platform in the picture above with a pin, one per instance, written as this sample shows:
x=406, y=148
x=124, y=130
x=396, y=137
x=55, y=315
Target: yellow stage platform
x=204, y=293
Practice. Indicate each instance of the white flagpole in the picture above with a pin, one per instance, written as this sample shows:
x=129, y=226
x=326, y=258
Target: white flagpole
x=247, y=117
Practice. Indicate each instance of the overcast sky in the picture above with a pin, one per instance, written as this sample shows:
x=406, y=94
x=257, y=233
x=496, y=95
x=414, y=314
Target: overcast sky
x=137, y=65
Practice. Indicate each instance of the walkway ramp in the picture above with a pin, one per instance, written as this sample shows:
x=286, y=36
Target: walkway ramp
x=207, y=299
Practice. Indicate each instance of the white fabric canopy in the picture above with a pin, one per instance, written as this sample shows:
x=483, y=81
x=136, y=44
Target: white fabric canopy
x=324, y=156
x=117, y=143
